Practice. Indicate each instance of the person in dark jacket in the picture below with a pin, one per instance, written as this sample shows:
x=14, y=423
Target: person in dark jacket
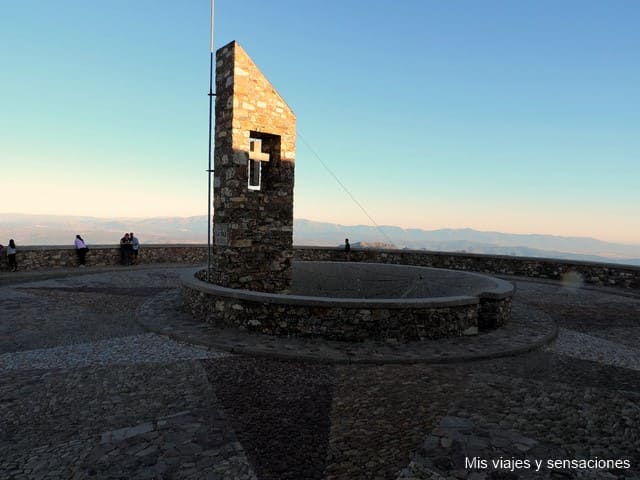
x=11, y=255
x=125, y=250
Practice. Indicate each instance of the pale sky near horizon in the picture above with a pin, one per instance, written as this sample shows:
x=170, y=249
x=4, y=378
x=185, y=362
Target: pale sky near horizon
x=520, y=117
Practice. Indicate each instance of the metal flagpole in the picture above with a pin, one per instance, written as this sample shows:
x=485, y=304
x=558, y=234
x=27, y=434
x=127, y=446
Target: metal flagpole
x=209, y=170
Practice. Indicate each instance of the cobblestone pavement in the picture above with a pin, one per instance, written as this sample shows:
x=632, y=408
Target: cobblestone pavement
x=97, y=381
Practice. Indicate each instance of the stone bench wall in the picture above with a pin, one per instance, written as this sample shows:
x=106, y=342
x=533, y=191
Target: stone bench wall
x=599, y=274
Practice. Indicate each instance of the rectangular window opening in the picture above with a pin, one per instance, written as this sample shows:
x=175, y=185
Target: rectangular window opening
x=255, y=170
x=256, y=158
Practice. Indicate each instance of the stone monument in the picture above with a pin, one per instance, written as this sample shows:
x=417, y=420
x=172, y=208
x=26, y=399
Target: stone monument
x=254, y=158
x=253, y=284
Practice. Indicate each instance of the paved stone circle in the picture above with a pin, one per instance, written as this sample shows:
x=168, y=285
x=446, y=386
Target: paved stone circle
x=102, y=376
x=529, y=329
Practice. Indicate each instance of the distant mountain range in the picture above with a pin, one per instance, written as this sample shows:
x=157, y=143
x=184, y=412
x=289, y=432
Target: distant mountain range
x=61, y=230
x=471, y=241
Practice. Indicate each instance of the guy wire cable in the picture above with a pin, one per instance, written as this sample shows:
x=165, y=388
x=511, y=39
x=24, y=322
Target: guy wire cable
x=335, y=177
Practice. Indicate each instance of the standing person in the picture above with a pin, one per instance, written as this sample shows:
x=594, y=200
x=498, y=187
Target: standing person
x=81, y=250
x=124, y=250
x=347, y=249
x=135, y=245
x=11, y=255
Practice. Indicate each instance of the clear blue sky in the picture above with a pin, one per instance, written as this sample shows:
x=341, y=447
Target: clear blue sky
x=497, y=115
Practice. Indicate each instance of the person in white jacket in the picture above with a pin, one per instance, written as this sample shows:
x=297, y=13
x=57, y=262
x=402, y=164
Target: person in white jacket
x=11, y=256
x=81, y=250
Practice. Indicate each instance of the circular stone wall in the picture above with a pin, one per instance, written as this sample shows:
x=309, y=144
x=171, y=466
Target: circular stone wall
x=358, y=302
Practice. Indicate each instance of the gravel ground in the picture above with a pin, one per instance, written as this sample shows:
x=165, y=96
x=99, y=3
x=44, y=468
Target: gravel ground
x=86, y=392
x=280, y=412
x=131, y=350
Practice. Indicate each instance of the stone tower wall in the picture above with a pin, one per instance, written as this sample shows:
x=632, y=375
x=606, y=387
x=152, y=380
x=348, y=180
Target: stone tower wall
x=253, y=229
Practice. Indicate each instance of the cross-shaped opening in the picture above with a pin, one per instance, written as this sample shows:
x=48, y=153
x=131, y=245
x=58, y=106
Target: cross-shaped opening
x=256, y=157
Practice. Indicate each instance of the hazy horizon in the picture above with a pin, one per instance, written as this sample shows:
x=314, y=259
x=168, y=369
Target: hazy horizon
x=296, y=219
x=52, y=230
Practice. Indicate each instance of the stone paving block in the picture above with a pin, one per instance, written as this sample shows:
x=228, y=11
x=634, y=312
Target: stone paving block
x=538, y=404
x=124, y=433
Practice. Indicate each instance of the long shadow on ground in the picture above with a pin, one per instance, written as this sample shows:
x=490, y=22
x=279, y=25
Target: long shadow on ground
x=280, y=412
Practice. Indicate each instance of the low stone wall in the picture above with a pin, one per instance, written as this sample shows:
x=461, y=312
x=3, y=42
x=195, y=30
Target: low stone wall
x=46, y=257
x=573, y=272
x=494, y=312
x=352, y=320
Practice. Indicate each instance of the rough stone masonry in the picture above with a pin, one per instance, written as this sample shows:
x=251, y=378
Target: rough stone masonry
x=254, y=175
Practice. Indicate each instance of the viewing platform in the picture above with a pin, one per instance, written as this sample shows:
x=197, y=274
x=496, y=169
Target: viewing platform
x=103, y=374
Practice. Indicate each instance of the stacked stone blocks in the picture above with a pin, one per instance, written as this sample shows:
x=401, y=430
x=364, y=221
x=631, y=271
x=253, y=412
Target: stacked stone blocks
x=31, y=258
x=253, y=228
x=331, y=322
